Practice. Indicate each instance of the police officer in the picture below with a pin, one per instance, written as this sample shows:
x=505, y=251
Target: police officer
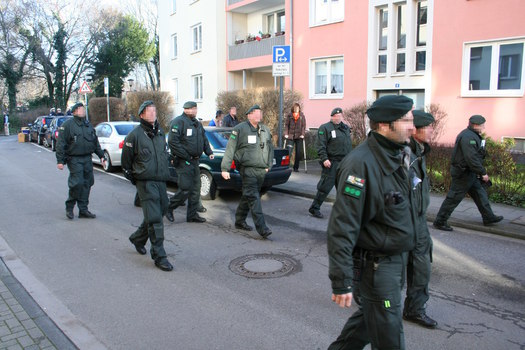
x=333, y=144
x=187, y=141
x=250, y=145
x=75, y=145
x=468, y=175
x=419, y=259
x=371, y=229
x=145, y=164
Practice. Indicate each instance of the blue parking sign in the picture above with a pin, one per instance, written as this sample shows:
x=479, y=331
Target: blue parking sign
x=281, y=54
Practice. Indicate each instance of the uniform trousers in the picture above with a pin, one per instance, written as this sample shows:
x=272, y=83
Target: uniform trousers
x=252, y=181
x=80, y=181
x=325, y=184
x=189, y=187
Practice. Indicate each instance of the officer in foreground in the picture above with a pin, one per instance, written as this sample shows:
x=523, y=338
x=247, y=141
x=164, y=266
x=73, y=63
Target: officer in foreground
x=145, y=164
x=75, y=145
x=468, y=176
x=333, y=144
x=187, y=141
x=419, y=259
x=372, y=227
x=250, y=145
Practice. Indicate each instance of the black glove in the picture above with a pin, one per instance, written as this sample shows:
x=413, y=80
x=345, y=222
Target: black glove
x=129, y=175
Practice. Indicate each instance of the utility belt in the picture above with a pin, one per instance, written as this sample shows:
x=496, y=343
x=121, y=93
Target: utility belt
x=361, y=257
x=195, y=158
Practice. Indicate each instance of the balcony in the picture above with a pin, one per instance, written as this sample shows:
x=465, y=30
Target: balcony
x=254, y=48
x=249, y=6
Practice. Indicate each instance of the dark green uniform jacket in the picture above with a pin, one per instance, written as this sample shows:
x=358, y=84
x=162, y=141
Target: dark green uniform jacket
x=468, y=154
x=77, y=138
x=422, y=189
x=333, y=141
x=144, y=155
x=373, y=208
x=187, y=139
x=249, y=146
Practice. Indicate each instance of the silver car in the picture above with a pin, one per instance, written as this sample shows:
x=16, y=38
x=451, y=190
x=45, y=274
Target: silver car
x=111, y=137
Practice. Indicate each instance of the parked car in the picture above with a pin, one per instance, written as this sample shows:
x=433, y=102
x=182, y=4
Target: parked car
x=111, y=137
x=210, y=169
x=51, y=133
x=38, y=128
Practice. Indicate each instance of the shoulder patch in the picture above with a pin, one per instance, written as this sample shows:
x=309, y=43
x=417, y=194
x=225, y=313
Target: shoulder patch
x=352, y=192
x=234, y=132
x=472, y=142
x=129, y=144
x=321, y=132
x=232, y=137
x=356, y=181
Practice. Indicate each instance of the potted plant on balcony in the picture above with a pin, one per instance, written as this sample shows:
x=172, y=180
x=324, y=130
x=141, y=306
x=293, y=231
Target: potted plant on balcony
x=265, y=35
x=239, y=41
x=250, y=38
x=279, y=33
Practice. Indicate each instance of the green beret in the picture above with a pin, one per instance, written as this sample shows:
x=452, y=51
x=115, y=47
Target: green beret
x=335, y=111
x=75, y=106
x=477, y=119
x=422, y=119
x=189, y=104
x=253, y=108
x=144, y=105
x=389, y=108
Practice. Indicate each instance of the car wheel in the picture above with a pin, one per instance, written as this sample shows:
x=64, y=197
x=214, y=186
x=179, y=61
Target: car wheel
x=53, y=145
x=45, y=142
x=208, y=186
x=39, y=139
x=108, y=167
x=264, y=190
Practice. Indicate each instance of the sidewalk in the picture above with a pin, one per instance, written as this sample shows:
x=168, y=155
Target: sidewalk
x=466, y=214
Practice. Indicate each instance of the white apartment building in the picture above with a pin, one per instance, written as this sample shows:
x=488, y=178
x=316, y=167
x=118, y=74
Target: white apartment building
x=192, y=37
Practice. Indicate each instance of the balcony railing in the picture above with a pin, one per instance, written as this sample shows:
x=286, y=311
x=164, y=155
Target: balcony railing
x=254, y=48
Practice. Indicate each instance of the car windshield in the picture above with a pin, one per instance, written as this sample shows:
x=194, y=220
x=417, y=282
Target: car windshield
x=124, y=129
x=218, y=139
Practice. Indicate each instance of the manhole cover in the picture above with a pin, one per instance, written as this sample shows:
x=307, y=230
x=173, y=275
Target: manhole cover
x=264, y=265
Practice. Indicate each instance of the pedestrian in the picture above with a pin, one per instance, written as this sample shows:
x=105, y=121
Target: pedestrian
x=420, y=258
x=218, y=119
x=468, y=176
x=230, y=120
x=371, y=229
x=250, y=145
x=76, y=143
x=333, y=144
x=59, y=112
x=52, y=112
x=187, y=141
x=145, y=164
x=294, y=130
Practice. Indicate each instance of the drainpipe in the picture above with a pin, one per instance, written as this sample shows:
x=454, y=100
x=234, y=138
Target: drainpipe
x=291, y=44
x=244, y=79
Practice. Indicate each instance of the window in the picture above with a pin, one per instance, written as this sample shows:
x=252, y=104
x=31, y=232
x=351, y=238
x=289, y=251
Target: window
x=174, y=46
x=421, y=35
x=275, y=22
x=382, y=40
x=401, y=36
x=197, y=86
x=493, y=68
x=326, y=11
x=176, y=90
x=197, y=37
x=328, y=77
x=173, y=6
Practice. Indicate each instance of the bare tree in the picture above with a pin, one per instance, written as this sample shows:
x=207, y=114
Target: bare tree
x=440, y=117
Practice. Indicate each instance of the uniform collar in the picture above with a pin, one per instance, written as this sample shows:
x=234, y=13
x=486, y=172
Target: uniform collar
x=80, y=121
x=386, y=152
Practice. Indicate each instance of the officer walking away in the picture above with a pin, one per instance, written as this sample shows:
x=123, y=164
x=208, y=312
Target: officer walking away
x=187, y=141
x=250, y=146
x=145, y=164
x=333, y=144
x=468, y=176
x=294, y=130
x=371, y=229
x=420, y=258
x=75, y=145
x=230, y=120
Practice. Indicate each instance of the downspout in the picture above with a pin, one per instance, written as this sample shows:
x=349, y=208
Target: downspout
x=291, y=45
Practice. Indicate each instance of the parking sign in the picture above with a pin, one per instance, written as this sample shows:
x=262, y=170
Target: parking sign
x=281, y=61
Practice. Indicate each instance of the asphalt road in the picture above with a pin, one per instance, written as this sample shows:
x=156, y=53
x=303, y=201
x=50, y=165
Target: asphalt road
x=477, y=290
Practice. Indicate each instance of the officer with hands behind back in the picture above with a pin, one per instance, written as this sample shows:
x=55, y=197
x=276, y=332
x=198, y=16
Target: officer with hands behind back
x=372, y=227
x=75, y=145
x=187, y=141
x=145, y=164
x=250, y=145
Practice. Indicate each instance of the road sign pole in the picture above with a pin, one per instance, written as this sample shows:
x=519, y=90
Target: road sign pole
x=87, y=115
x=106, y=91
x=280, y=110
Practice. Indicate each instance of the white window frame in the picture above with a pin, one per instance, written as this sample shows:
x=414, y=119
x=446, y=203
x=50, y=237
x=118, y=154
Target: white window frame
x=403, y=50
x=174, y=46
x=176, y=90
x=197, y=87
x=382, y=52
x=330, y=20
x=420, y=48
x=275, y=16
x=196, y=30
x=495, y=56
x=173, y=6
x=328, y=94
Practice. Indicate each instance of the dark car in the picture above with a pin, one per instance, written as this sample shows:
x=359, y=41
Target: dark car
x=51, y=133
x=38, y=128
x=211, y=178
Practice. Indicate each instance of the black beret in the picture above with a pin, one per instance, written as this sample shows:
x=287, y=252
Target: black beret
x=389, y=108
x=253, y=108
x=422, y=119
x=144, y=105
x=189, y=104
x=477, y=119
x=335, y=111
x=218, y=113
x=75, y=106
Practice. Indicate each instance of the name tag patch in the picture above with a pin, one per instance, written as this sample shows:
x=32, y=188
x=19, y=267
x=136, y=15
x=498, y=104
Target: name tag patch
x=189, y=132
x=252, y=138
x=333, y=134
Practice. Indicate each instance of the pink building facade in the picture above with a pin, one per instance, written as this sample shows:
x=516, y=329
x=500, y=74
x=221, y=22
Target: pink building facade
x=465, y=55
